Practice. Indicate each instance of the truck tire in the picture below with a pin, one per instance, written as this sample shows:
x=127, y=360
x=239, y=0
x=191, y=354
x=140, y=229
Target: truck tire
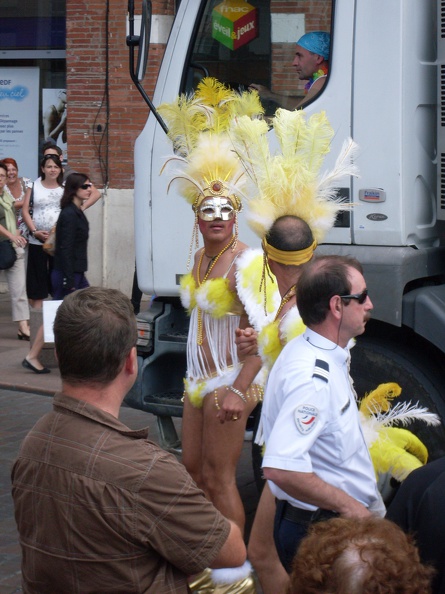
x=419, y=375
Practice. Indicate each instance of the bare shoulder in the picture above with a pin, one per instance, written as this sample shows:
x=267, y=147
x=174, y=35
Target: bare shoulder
x=240, y=247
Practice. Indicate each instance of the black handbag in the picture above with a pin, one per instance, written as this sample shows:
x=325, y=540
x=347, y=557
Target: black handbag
x=7, y=255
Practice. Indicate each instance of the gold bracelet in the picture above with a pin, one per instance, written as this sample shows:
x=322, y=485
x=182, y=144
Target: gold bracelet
x=238, y=393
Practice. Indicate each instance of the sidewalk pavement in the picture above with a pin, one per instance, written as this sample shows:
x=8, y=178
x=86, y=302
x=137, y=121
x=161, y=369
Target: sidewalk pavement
x=12, y=352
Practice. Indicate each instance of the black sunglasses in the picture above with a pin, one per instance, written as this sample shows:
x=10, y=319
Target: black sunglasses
x=361, y=297
x=86, y=186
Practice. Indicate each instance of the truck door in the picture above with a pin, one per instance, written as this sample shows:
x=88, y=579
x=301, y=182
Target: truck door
x=239, y=43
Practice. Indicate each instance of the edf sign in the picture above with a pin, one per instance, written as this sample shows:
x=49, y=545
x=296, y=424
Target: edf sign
x=234, y=23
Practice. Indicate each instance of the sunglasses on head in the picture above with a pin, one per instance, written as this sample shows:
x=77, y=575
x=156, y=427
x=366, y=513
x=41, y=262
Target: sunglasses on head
x=86, y=186
x=360, y=297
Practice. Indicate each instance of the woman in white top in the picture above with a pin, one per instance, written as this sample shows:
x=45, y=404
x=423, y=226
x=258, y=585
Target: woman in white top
x=39, y=217
x=43, y=214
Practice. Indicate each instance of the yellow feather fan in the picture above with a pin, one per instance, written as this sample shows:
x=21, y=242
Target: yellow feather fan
x=395, y=451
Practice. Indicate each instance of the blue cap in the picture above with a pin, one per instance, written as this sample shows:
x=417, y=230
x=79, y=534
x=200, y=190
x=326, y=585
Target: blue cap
x=317, y=42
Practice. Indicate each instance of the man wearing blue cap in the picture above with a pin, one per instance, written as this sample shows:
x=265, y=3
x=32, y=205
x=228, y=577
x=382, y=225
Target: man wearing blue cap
x=311, y=63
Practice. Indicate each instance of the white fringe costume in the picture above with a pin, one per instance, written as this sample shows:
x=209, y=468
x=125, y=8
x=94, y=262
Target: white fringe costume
x=203, y=377
x=219, y=311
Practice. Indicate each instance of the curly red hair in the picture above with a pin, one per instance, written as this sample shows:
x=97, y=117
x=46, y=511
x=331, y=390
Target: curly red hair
x=358, y=556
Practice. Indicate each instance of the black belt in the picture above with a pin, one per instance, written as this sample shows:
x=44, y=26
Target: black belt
x=307, y=516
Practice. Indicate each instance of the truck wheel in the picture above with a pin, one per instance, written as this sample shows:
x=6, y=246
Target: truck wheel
x=421, y=378
x=374, y=362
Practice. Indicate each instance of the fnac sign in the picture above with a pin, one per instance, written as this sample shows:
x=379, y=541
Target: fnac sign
x=234, y=23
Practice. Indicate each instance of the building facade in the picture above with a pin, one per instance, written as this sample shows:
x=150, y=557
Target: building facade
x=78, y=47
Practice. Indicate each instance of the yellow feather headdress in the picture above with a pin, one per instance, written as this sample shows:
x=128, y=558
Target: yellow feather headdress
x=198, y=125
x=289, y=183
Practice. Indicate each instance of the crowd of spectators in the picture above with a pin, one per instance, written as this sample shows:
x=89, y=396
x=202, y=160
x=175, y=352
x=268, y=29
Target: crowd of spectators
x=30, y=214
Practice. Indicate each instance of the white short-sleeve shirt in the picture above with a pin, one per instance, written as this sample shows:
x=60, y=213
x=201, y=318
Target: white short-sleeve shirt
x=311, y=423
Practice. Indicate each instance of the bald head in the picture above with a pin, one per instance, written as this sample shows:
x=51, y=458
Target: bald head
x=290, y=234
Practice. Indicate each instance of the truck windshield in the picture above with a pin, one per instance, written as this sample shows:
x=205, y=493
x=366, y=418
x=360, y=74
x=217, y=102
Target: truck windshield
x=254, y=43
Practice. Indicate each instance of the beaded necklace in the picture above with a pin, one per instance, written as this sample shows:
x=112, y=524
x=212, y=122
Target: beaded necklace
x=212, y=264
x=322, y=71
x=285, y=299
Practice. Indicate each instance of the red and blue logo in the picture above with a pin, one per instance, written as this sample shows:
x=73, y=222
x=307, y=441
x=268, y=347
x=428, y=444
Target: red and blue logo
x=306, y=417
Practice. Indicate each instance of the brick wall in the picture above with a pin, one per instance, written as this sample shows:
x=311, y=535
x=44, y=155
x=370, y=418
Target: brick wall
x=88, y=102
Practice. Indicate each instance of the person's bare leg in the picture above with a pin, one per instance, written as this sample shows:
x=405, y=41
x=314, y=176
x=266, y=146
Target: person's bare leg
x=36, y=303
x=261, y=550
x=191, y=438
x=35, y=350
x=221, y=449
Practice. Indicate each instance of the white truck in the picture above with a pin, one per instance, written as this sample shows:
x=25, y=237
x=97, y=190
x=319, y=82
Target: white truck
x=386, y=89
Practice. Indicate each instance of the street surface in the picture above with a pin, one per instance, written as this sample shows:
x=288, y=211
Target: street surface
x=18, y=413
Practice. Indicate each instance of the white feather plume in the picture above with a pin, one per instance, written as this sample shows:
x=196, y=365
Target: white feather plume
x=406, y=413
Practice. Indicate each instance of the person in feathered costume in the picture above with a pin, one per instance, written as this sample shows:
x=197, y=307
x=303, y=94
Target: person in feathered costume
x=217, y=397
x=282, y=187
x=290, y=206
x=289, y=190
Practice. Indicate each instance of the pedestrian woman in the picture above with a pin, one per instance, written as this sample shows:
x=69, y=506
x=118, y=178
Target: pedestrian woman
x=70, y=260
x=40, y=211
x=17, y=187
x=45, y=196
x=15, y=276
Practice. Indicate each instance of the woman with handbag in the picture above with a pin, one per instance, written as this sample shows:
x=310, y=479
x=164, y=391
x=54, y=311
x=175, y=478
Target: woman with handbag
x=17, y=187
x=44, y=197
x=12, y=247
x=41, y=209
x=70, y=258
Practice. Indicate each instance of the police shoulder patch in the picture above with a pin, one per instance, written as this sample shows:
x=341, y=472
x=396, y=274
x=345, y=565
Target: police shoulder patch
x=306, y=417
x=321, y=370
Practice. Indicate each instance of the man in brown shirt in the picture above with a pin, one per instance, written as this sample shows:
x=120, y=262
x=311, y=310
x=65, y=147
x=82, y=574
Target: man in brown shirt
x=99, y=508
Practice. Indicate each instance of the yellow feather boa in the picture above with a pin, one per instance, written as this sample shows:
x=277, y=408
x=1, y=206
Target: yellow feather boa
x=278, y=333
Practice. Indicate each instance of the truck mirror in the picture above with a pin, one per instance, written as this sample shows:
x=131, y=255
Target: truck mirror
x=144, y=40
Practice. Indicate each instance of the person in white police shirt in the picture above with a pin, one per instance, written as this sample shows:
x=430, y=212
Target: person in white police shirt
x=316, y=460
